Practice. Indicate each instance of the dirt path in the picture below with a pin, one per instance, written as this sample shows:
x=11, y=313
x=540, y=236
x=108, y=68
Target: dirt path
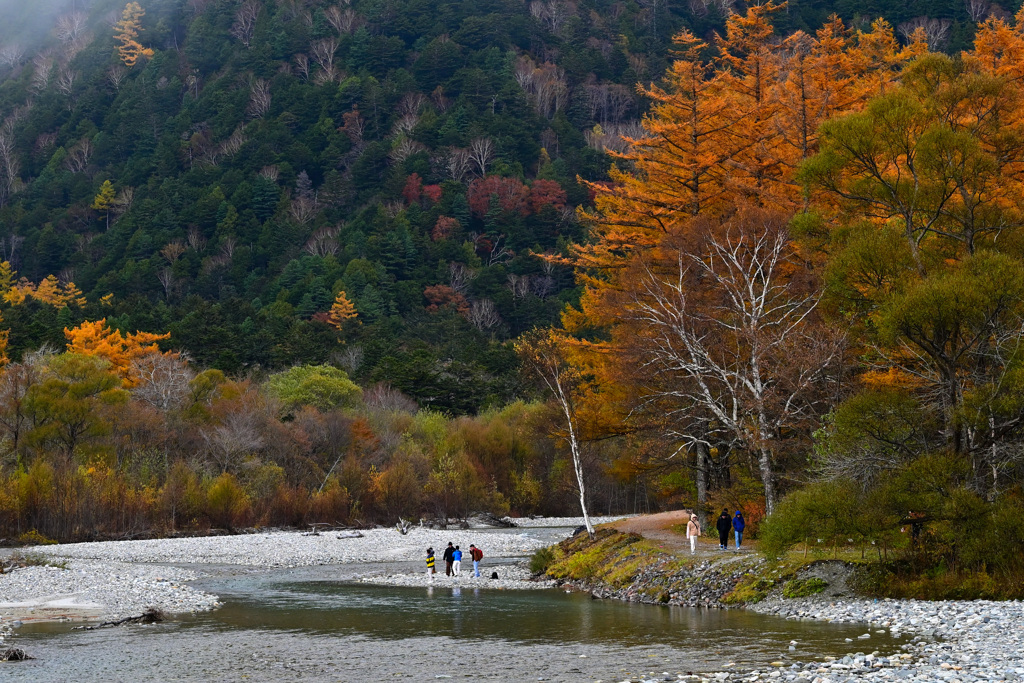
x=658, y=528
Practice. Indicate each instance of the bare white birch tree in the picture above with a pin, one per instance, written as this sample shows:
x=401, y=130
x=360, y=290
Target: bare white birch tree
x=245, y=22
x=543, y=354
x=729, y=336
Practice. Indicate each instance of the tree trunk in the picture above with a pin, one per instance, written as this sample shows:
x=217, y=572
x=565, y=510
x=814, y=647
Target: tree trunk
x=577, y=459
x=702, y=474
x=765, y=464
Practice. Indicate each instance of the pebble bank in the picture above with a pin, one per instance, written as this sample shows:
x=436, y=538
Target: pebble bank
x=953, y=642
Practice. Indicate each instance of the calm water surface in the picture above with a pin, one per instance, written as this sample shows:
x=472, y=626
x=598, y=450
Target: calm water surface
x=300, y=625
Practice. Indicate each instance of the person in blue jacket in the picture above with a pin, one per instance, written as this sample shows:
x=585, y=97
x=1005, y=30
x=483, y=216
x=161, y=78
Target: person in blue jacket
x=737, y=527
x=456, y=561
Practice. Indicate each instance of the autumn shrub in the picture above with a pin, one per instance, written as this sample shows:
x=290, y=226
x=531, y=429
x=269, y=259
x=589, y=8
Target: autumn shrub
x=35, y=493
x=33, y=537
x=288, y=506
x=332, y=505
x=182, y=498
x=227, y=504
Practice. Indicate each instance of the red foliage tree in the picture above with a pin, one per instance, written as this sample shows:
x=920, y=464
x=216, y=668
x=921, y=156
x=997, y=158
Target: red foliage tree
x=440, y=296
x=432, y=193
x=546, y=193
x=511, y=195
x=413, y=190
x=444, y=228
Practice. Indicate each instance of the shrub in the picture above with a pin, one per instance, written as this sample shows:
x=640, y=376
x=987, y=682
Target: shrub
x=33, y=537
x=226, y=502
x=541, y=560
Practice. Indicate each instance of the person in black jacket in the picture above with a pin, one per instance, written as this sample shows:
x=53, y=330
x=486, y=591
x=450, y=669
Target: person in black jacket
x=449, y=557
x=724, y=526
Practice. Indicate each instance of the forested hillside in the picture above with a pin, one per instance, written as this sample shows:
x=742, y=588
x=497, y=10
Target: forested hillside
x=266, y=156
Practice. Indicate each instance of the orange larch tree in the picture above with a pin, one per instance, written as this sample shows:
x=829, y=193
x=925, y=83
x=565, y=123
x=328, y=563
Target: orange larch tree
x=341, y=310
x=121, y=350
x=127, y=33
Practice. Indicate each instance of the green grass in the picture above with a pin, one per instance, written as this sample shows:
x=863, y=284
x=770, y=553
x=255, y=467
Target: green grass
x=33, y=560
x=802, y=588
x=612, y=558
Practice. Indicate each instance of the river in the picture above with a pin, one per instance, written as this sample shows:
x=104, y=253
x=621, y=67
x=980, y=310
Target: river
x=312, y=624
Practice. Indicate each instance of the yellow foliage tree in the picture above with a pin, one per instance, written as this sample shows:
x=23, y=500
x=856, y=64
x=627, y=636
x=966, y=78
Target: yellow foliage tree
x=4, y=338
x=127, y=32
x=6, y=277
x=96, y=339
x=49, y=291
x=104, y=200
x=341, y=310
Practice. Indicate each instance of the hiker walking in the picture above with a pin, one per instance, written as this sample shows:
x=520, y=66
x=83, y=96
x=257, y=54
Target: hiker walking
x=692, y=532
x=738, y=524
x=477, y=555
x=448, y=559
x=724, y=526
x=430, y=562
x=456, y=561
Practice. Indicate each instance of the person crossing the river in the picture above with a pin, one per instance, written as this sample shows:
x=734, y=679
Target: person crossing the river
x=456, y=561
x=447, y=557
x=430, y=562
x=477, y=555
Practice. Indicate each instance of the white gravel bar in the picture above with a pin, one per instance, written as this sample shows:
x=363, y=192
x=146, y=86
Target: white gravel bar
x=86, y=590
x=954, y=642
x=528, y=522
x=296, y=549
x=510, y=577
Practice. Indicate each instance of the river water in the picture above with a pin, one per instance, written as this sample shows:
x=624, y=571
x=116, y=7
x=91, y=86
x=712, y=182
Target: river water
x=305, y=624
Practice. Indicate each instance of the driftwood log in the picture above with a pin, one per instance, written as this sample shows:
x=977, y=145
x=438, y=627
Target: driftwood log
x=152, y=615
x=14, y=654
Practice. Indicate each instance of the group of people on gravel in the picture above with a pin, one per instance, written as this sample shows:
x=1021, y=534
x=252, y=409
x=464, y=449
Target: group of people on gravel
x=724, y=525
x=453, y=560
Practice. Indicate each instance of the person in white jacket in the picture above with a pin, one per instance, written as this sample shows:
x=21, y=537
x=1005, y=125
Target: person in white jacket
x=692, y=532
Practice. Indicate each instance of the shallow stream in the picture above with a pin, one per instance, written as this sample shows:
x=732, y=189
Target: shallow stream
x=306, y=624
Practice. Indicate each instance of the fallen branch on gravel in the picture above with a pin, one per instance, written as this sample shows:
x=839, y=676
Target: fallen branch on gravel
x=350, y=534
x=152, y=615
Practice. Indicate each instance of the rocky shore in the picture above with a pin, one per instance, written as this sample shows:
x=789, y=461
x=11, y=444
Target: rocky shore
x=702, y=585
x=952, y=641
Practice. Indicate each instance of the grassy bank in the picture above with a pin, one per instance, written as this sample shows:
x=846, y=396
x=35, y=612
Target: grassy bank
x=630, y=567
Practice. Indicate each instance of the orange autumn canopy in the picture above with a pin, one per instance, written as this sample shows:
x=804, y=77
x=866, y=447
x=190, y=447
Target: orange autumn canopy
x=96, y=339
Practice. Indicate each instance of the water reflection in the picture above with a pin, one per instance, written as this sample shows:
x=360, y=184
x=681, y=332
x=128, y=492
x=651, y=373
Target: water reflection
x=283, y=626
x=539, y=617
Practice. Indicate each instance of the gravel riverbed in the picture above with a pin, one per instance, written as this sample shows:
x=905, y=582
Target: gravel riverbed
x=296, y=549
x=510, y=577
x=953, y=642
x=113, y=579
x=90, y=589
